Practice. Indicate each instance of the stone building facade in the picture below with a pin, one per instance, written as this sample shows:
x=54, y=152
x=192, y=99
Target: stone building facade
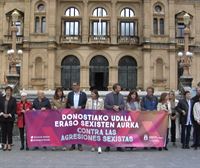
x=100, y=42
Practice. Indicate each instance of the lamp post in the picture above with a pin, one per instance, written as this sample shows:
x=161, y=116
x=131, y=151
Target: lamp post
x=14, y=56
x=185, y=58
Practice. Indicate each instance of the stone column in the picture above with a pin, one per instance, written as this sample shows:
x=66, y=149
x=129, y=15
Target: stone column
x=85, y=22
x=113, y=76
x=114, y=24
x=51, y=68
x=147, y=68
x=84, y=78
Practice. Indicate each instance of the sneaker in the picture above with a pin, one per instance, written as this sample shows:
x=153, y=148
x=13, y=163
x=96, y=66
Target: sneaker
x=0, y=146
x=99, y=150
x=64, y=148
x=93, y=149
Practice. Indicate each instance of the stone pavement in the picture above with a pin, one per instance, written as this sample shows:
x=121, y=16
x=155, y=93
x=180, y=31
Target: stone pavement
x=174, y=158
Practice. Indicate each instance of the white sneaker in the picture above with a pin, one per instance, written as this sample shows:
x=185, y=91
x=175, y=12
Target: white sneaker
x=0, y=146
x=99, y=150
x=93, y=149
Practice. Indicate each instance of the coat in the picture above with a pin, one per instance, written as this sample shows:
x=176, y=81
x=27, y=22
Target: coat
x=20, y=119
x=183, y=106
x=11, y=109
x=109, y=101
x=82, y=99
x=100, y=104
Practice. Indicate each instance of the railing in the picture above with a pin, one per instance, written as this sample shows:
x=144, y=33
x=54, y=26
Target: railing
x=181, y=41
x=128, y=40
x=8, y=39
x=71, y=39
x=99, y=39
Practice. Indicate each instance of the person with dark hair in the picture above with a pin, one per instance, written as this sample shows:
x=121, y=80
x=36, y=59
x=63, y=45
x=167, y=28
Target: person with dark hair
x=95, y=103
x=184, y=108
x=114, y=101
x=175, y=126
x=22, y=107
x=7, y=117
x=164, y=105
x=196, y=114
x=133, y=101
x=149, y=102
x=76, y=100
x=59, y=102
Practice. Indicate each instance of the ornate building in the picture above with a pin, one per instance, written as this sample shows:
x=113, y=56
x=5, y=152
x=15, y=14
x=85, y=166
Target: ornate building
x=99, y=42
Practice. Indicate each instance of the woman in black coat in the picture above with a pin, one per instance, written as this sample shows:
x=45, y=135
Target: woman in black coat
x=7, y=117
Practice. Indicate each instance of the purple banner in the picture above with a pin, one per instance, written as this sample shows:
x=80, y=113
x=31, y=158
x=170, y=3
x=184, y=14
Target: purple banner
x=96, y=128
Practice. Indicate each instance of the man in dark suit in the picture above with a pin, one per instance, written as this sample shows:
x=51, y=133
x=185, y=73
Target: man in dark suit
x=114, y=101
x=76, y=100
x=184, y=107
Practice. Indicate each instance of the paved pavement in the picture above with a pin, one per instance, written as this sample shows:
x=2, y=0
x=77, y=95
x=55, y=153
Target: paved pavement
x=174, y=158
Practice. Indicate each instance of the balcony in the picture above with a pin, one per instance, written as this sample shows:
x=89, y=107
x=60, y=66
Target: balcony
x=180, y=41
x=130, y=40
x=71, y=39
x=8, y=39
x=99, y=39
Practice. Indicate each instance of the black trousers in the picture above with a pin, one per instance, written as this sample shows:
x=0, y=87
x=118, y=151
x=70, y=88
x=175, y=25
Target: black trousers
x=196, y=134
x=185, y=134
x=7, y=130
x=173, y=130
x=21, y=132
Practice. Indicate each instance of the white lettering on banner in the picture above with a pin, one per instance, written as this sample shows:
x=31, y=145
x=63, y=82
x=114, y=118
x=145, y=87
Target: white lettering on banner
x=66, y=123
x=120, y=118
x=97, y=124
x=118, y=139
x=88, y=117
x=90, y=131
x=75, y=136
x=127, y=125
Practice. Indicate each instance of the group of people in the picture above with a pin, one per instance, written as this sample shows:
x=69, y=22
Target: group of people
x=183, y=114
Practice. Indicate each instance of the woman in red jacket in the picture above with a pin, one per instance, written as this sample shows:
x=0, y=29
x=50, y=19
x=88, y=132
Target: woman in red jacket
x=22, y=107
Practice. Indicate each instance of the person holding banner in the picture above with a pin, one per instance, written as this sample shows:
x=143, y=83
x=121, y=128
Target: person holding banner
x=95, y=103
x=41, y=103
x=164, y=104
x=7, y=117
x=22, y=107
x=184, y=108
x=76, y=100
x=114, y=101
x=149, y=102
x=59, y=102
x=133, y=101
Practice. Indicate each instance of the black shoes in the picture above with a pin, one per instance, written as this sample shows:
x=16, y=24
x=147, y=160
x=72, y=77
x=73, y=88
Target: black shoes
x=107, y=149
x=120, y=149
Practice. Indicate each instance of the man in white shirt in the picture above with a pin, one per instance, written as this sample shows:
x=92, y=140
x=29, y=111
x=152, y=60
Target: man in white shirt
x=76, y=99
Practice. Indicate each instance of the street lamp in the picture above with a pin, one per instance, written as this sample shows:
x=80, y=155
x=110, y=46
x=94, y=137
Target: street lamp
x=14, y=56
x=185, y=58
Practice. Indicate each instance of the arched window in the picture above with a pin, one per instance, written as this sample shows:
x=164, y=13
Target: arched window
x=99, y=72
x=127, y=12
x=19, y=23
x=72, y=11
x=127, y=24
x=70, y=71
x=127, y=73
x=38, y=67
x=40, y=18
x=100, y=26
x=99, y=12
x=158, y=19
x=72, y=23
x=159, y=69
